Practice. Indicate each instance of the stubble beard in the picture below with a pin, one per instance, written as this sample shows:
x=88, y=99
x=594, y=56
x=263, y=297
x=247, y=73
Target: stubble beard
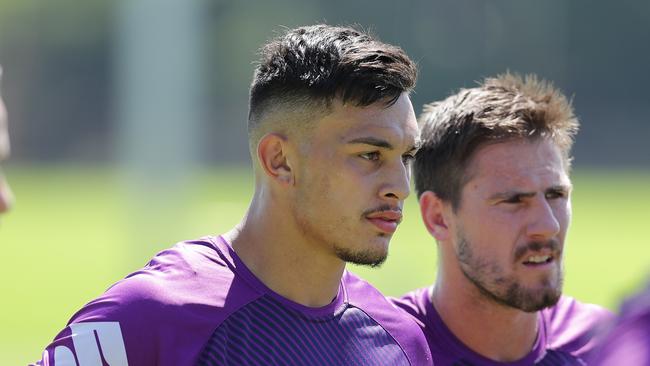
x=506, y=290
x=337, y=235
x=365, y=257
x=334, y=237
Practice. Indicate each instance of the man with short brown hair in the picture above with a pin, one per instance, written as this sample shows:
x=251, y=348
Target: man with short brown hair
x=492, y=177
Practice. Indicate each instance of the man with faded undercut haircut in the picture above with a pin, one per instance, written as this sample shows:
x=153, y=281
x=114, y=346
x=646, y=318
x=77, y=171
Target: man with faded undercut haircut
x=492, y=177
x=331, y=134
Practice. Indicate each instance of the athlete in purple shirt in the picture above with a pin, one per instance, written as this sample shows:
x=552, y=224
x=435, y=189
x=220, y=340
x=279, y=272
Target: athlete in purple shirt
x=492, y=177
x=331, y=134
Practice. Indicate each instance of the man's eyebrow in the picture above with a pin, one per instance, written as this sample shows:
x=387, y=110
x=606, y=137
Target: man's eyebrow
x=509, y=194
x=372, y=141
x=522, y=194
x=560, y=188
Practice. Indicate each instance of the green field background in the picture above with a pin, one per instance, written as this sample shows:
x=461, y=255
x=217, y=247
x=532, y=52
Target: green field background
x=76, y=230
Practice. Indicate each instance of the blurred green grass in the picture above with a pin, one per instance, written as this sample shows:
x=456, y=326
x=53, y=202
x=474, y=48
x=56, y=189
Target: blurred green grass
x=76, y=230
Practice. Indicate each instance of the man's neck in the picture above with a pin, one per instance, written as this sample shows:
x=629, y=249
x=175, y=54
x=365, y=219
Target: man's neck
x=492, y=330
x=280, y=257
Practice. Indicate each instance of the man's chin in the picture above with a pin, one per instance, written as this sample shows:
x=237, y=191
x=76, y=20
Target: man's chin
x=371, y=258
x=535, y=300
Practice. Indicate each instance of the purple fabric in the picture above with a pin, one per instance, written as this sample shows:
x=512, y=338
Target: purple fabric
x=628, y=343
x=192, y=299
x=566, y=333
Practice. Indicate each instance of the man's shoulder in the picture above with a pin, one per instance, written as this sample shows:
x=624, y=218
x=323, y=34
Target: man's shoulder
x=174, y=277
x=361, y=294
x=574, y=327
x=174, y=302
x=392, y=318
x=192, y=276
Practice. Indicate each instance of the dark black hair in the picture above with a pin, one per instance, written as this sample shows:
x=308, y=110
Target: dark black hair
x=315, y=64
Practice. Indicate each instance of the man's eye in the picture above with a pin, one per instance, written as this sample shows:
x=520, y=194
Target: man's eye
x=512, y=200
x=372, y=156
x=555, y=194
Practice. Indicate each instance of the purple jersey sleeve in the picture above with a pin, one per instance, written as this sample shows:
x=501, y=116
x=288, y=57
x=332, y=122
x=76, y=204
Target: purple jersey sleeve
x=160, y=315
x=100, y=332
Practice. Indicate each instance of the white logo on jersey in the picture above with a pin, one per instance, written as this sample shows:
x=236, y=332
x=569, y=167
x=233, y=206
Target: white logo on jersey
x=92, y=341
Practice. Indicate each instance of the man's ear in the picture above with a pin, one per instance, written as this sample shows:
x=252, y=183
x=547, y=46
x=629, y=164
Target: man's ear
x=432, y=209
x=272, y=152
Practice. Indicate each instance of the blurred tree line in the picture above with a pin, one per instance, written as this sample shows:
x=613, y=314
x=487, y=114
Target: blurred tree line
x=59, y=61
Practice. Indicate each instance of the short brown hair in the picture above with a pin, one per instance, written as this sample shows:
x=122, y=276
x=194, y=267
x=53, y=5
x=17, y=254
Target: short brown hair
x=501, y=108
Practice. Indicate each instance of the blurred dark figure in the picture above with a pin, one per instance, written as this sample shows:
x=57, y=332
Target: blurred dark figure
x=6, y=198
x=628, y=342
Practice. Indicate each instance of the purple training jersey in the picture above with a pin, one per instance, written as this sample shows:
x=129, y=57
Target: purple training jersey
x=565, y=336
x=628, y=343
x=198, y=304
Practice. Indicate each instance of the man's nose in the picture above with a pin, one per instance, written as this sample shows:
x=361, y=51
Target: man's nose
x=544, y=223
x=398, y=183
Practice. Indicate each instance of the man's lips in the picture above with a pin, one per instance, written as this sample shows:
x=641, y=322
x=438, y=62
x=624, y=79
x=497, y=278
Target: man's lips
x=538, y=254
x=385, y=220
x=538, y=259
